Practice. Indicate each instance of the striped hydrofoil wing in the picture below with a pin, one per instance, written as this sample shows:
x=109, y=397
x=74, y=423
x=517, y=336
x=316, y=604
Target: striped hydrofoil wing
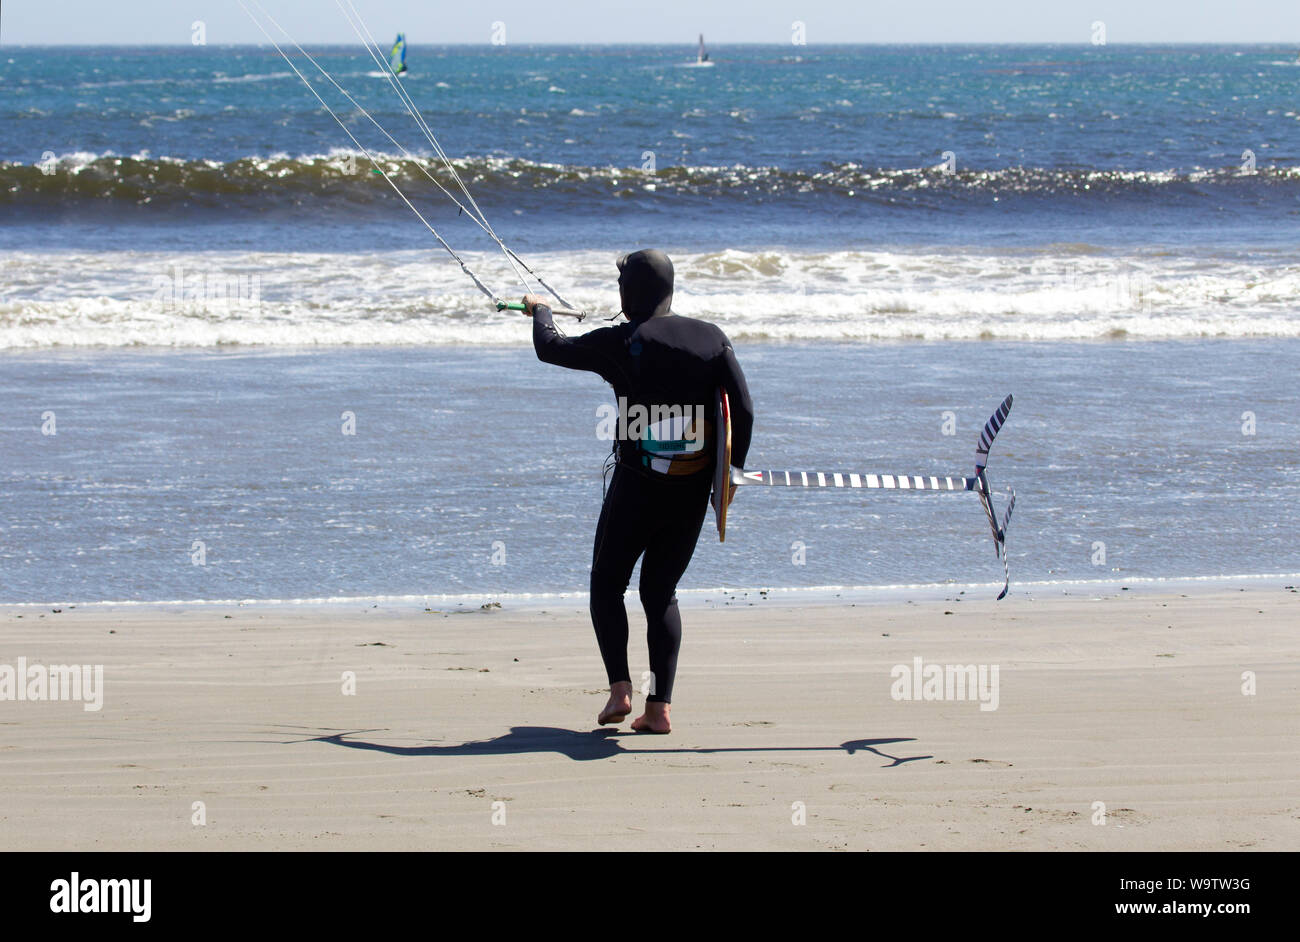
x=990, y=432
x=888, y=482
x=979, y=483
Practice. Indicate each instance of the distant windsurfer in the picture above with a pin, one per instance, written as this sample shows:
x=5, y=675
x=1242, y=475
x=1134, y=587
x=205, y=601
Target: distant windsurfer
x=658, y=497
x=397, y=57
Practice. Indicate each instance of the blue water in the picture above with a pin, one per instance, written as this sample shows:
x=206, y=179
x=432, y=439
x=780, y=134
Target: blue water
x=1135, y=446
x=200, y=275
x=1110, y=144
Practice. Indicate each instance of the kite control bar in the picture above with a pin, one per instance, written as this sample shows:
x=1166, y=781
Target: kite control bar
x=517, y=306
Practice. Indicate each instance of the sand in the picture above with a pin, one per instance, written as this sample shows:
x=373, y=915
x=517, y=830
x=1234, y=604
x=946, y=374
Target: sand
x=477, y=730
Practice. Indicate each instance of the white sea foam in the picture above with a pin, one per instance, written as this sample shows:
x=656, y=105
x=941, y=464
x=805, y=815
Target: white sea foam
x=203, y=299
x=766, y=594
x=256, y=77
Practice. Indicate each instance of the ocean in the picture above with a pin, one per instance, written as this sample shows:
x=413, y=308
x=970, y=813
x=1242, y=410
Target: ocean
x=202, y=276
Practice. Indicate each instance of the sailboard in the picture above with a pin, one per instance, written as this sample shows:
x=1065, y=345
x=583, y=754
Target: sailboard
x=702, y=59
x=397, y=58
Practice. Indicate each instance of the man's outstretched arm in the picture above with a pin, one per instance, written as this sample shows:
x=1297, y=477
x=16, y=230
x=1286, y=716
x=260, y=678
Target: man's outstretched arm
x=586, y=352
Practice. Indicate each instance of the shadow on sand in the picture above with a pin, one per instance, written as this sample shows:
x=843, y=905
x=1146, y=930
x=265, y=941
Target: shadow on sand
x=586, y=746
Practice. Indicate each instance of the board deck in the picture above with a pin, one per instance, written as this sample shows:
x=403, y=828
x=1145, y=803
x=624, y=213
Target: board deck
x=722, y=469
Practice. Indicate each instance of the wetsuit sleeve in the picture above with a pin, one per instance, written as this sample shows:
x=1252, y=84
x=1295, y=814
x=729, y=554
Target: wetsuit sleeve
x=741, y=406
x=593, y=351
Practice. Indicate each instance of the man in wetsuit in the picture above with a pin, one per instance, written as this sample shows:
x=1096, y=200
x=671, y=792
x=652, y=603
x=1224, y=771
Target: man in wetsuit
x=659, y=494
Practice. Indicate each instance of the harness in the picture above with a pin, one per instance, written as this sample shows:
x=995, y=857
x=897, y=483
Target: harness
x=673, y=446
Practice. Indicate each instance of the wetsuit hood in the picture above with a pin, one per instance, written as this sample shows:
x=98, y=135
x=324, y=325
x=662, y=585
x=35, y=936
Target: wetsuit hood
x=645, y=283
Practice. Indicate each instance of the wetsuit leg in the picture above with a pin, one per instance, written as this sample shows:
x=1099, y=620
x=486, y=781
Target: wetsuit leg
x=620, y=539
x=681, y=514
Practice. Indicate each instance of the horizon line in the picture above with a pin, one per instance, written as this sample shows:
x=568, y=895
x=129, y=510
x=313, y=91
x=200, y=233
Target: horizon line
x=672, y=45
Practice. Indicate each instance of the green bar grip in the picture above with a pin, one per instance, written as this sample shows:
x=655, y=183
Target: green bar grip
x=518, y=306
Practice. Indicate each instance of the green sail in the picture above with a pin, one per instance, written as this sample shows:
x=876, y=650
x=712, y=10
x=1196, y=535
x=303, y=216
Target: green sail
x=397, y=58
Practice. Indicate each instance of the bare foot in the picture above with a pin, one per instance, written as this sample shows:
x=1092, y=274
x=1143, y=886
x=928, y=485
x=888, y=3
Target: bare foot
x=654, y=719
x=619, y=704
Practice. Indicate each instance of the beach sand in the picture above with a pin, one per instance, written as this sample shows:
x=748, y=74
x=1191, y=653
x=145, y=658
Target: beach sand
x=1133, y=700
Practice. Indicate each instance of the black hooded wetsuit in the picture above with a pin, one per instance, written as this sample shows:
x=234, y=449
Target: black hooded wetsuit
x=656, y=360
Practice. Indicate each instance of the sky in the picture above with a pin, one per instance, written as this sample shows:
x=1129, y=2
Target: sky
x=26, y=22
